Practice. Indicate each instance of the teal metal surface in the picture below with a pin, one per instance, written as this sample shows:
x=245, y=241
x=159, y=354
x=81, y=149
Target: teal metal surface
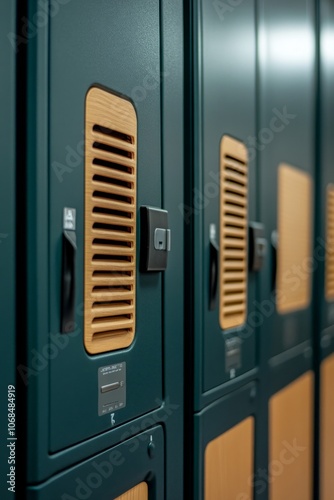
x=287, y=90
x=117, y=45
x=173, y=282
x=8, y=404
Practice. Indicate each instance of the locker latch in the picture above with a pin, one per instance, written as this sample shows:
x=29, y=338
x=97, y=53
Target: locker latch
x=162, y=239
x=155, y=239
x=257, y=246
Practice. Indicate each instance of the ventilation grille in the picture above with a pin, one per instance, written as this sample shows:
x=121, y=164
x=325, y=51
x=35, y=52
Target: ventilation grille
x=294, y=239
x=329, y=276
x=233, y=233
x=110, y=222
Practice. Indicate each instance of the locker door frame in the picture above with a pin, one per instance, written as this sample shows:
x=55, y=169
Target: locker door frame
x=323, y=342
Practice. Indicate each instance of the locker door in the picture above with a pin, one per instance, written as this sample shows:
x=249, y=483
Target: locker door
x=286, y=158
x=326, y=429
x=223, y=197
x=130, y=471
x=291, y=441
x=117, y=315
x=227, y=471
x=224, y=447
x=94, y=158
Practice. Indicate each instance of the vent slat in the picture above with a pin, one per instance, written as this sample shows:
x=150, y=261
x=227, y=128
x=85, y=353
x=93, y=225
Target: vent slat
x=236, y=253
x=233, y=233
x=235, y=298
x=329, y=265
x=110, y=222
x=113, y=250
x=230, y=199
x=112, y=324
x=112, y=157
x=122, y=308
x=232, y=175
x=234, y=210
x=112, y=173
x=235, y=221
x=112, y=219
x=114, y=142
x=111, y=295
x=234, y=287
x=235, y=308
x=114, y=235
x=103, y=188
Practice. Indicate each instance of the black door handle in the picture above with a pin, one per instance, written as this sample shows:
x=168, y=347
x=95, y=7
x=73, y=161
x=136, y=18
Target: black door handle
x=214, y=253
x=274, y=246
x=68, y=282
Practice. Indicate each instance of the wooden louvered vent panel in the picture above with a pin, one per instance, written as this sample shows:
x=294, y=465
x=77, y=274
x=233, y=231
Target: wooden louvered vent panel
x=329, y=277
x=110, y=222
x=233, y=232
x=294, y=252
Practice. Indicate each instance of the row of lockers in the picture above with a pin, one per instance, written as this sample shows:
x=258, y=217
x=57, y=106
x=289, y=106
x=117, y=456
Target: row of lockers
x=166, y=241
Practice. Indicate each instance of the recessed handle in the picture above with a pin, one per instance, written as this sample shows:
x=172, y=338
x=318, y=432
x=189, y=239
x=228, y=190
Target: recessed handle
x=274, y=247
x=68, y=282
x=213, y=271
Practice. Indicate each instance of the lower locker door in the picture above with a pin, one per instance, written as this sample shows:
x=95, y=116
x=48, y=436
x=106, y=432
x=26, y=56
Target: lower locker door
x=133, y=470
x=327, y=430
x=291, y=441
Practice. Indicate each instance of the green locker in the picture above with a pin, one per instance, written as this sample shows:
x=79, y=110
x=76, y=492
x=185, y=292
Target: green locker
x=104, y=93
x=286, y=159
x=222, y=199
x=286, y=152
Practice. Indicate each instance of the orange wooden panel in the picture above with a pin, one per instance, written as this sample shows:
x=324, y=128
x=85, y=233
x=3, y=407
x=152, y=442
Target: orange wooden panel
x=291, y=441
x=110, y=221
x=327, y=430
x=233, y=233
x=294, y=224
x=229, y=463
x=139, y=492
x=329, y=267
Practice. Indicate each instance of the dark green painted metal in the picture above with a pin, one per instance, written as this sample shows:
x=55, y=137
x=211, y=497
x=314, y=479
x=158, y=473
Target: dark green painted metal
x=324, y=310
x=217, y=418
x=109, y=474
x=120, y=52
x=287, y=81
x=7, y=228
x=173, y=281
x=224, y=56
